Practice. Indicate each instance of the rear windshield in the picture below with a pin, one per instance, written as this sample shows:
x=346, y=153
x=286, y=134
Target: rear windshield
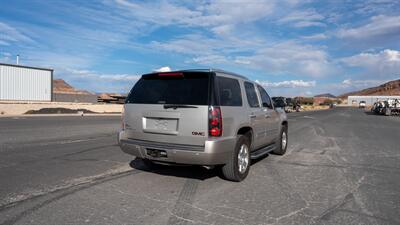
x=187, y=88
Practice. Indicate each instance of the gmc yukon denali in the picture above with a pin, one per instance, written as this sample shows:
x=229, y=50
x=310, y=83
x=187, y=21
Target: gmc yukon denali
x=202, y=117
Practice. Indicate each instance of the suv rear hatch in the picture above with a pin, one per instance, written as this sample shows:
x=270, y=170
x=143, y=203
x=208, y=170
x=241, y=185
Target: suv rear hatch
x=169, y=107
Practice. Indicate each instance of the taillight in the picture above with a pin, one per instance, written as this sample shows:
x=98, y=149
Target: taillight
x=171, y=74
x=214, y=121
x=123, y=118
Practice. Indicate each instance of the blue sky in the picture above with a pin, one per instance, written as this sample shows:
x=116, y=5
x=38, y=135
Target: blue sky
x=292, y=47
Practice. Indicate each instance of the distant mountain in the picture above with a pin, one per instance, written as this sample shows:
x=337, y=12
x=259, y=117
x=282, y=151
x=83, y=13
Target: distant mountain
x=389, y=88
x=62, y=87
x=111, y=98
x=326, y=95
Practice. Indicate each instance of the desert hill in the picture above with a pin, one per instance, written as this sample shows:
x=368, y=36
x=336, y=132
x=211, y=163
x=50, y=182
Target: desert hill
x=389, y=88
x=326, y=95
x=62, y=87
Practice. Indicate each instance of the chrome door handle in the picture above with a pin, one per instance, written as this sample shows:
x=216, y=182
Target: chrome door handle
x=267, y=116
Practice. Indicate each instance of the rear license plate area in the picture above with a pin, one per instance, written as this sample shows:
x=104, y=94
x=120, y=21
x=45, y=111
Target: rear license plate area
x=161, y=124
x=156, y=153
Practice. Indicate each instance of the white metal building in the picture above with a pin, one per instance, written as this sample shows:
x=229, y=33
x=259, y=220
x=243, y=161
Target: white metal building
x=23, y=83
x=369, y=100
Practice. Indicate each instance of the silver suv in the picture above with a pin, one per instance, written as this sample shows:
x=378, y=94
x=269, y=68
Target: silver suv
x=202, y=117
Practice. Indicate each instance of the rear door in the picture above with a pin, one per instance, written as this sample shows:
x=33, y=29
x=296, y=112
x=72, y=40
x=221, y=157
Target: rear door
x=169, y=107
x=271, y=117
x=256, y=115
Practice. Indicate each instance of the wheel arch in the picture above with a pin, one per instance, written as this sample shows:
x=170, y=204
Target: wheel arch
x=246, y=130
x=285, y=123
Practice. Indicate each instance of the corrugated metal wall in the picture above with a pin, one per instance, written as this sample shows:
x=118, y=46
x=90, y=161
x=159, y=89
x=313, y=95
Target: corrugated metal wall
x=25, y=84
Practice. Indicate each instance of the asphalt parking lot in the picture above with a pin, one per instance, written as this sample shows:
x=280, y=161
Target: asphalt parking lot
x=342, y=167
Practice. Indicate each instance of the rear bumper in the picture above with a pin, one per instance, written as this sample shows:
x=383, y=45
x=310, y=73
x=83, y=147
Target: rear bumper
x=214, y=152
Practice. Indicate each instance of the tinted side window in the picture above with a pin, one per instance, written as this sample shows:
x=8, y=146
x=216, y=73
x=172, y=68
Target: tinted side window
x=251, y=95
x=265, y=99
x=229, y=92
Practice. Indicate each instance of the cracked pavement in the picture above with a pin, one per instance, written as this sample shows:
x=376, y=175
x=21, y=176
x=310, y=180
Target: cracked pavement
x=342, y=167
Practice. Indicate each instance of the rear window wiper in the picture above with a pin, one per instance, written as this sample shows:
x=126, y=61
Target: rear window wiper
x=175, y=106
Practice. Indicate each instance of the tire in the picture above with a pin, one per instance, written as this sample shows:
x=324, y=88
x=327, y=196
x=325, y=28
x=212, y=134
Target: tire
x=388, y=112
x=231, y=170
x=281, y=145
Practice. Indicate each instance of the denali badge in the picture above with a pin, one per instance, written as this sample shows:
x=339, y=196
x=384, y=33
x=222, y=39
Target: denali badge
x=198, y=133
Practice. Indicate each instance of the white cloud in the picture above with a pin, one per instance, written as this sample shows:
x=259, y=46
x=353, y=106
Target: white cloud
x=304, y=18
x=223, y=29
x=281, y=58
x=368, y=7
x=161, y=13
x=289, y=87
x=308, y=93
x=10, y=35
x=384, y=63
x=189, y=44
x=316, y=37
x=372, y=59
x=348, y=85
x=201, y=45
x=6, y=57
x=204, y=50
x=209, y=59
x=288, y=84
x=3, y=42
x=163, y=69
x=7, y=54
x=220, y=16
x=291, y=58
x=87, y=74
x=118, y=77
x=302, y=24
x=57, y=60
x=380, y=27
x=225, y=12
x=361, y=83
x=241, y=61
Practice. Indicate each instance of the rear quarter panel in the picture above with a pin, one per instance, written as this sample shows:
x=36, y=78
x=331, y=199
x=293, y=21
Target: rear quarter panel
x=235, y=117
